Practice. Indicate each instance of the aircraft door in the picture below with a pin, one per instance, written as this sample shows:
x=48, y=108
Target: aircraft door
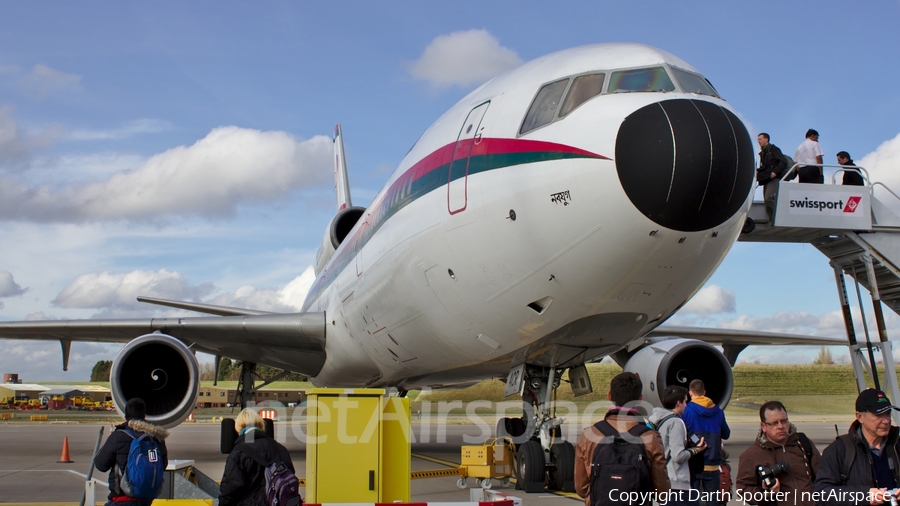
x=469, y=137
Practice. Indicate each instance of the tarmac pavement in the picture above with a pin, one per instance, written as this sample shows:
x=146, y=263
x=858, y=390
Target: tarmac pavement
x=29, y=452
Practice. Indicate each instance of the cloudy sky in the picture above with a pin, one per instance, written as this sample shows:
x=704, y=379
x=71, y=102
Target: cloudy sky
x=182, y=150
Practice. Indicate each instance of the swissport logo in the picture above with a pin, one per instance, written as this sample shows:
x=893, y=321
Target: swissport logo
x=852, y=204
x=827, y=205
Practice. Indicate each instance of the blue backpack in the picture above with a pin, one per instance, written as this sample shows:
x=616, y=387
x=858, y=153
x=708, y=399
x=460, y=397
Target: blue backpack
x=143, y=475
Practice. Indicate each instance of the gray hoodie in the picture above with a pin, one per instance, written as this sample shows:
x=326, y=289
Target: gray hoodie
x=674, y=434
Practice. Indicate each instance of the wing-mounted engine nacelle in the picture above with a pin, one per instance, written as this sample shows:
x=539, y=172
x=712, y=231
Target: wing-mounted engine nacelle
x=163, y=372
x=335, y=234
x=677, y=361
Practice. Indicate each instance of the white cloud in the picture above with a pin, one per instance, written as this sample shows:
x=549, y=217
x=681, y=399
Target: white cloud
x=36, y=362
x=211, y=178
x=129, y=129
x=43, y=80
x=16, y=146
x=114, y=294
x=294, y=293
x=462, y=59
x=712, y=299
x=118, y=292
x=882, y=165
x=285, y=300
x=8, y=286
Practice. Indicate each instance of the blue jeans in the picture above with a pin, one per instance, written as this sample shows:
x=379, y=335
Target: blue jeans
x=707, y=482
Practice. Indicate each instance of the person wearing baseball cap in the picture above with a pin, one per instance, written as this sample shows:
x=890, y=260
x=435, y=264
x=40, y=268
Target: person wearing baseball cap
x=865, y=462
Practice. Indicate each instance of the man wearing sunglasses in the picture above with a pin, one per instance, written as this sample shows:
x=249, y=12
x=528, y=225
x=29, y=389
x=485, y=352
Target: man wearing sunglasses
x=778, y=442
x=861, y=467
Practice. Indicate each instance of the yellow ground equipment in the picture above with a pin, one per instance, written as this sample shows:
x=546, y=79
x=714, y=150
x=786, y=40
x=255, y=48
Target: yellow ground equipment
x=492, y=460
x=357, y=446
x=36, y=404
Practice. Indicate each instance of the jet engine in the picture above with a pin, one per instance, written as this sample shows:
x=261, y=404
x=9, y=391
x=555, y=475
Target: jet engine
x=677, y=361
x=335, y=234
x=163, y=372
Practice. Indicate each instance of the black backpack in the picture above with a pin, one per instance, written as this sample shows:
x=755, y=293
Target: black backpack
x=619, y=463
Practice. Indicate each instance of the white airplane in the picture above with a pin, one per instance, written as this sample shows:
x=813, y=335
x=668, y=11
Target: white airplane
x=558, y=214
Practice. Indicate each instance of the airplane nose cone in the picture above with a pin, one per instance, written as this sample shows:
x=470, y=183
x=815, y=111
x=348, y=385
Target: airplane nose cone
x=685, y=164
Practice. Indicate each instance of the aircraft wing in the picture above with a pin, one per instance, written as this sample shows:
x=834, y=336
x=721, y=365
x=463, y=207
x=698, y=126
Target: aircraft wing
x=291, y=341
x=743, y=337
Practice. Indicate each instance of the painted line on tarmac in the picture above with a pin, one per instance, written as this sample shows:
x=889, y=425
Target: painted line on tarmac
x=567, y=495
x=95, y=480
x=82, y=475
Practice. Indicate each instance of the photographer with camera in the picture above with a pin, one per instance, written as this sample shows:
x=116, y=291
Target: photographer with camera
x=678, y=446
x=863, y=462
x=780, y=467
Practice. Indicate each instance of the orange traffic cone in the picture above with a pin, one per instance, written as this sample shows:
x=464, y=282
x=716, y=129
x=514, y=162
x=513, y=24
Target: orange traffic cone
x=64, y=458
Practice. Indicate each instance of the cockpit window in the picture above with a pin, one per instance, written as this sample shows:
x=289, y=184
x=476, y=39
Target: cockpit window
x=694, y=83
x=583, y=89
x=651, y=79
x=544, y=106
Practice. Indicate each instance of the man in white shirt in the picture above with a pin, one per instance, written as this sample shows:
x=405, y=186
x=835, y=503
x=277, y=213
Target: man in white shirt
x=808, y=153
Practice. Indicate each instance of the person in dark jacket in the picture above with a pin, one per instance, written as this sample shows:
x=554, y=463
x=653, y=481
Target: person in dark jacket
x=624, y=392
x=244, y=480
x=113, y=455
x=704, y=418
x=778, y=441
x=772, y=166
x=852, y=176
x=873, y=470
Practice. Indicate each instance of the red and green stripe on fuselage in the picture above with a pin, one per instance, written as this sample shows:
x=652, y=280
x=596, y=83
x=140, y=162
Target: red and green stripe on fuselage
x=448, y=163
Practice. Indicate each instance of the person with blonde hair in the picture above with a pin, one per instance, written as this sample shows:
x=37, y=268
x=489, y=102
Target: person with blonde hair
x=244, y=480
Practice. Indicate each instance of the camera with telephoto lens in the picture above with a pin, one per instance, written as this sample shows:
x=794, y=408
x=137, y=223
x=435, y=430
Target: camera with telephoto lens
x=767, y=474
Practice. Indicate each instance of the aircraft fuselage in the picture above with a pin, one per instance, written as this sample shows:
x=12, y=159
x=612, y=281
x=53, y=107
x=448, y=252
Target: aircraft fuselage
x=518, y=224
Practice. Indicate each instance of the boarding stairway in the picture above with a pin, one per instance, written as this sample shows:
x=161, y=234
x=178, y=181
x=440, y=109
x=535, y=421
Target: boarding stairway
x=860, y=235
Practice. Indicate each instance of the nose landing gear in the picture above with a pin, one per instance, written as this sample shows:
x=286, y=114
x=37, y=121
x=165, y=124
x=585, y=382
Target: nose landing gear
x=542, y=456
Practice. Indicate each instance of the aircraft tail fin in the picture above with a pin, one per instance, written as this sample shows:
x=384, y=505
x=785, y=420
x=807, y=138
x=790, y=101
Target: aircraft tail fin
x=341, y=183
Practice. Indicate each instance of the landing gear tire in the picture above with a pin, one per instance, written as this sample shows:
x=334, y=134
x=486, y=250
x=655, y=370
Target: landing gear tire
x=749, y=226
x=461, y=483
x=530, y=467
x=562, y=475
x=512, y=427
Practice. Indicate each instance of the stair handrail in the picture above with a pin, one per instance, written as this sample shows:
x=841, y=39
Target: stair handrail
x=840, y=168
x=879, y=183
